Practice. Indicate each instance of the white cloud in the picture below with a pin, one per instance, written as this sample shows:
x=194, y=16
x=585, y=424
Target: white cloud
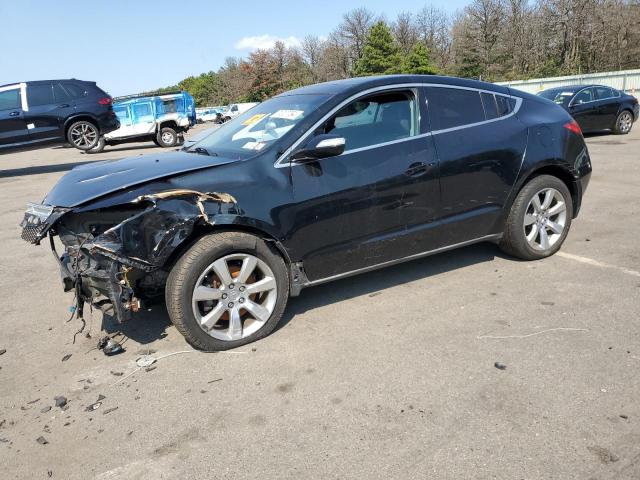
x=265, y=41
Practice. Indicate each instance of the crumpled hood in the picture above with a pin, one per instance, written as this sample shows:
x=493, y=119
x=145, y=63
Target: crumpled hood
x=91, y=181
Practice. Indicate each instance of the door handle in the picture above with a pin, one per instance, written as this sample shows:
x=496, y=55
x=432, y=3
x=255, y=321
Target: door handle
x=418, y=168
x=14, y=114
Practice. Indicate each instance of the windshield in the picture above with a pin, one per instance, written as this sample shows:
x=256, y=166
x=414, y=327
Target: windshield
x=261, y=126
x=557, y=95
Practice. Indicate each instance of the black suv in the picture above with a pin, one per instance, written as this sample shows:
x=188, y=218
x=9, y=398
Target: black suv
x=33, y=113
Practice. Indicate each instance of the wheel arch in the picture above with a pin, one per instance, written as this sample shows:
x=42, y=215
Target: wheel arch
x=78, y=117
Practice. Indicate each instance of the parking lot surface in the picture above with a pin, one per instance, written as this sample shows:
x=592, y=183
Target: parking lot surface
x=385, y=375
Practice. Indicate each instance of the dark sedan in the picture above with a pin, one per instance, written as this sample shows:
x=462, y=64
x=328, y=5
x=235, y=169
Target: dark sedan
x=313, y=185
x=596, y=107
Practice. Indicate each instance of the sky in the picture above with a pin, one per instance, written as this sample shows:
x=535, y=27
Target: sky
x=137, y=45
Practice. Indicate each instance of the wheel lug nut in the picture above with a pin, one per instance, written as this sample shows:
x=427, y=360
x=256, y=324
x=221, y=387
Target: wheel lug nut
x=231, y=286
x=242, y=289
x=230, y=305
x=241, y=300
x=224, y=295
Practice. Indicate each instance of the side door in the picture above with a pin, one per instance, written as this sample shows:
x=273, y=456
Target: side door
x=374, y=202
x=144, y=120
x=584, y=109
x=480, y=144
x=43, y=119
x=123, y=112
x=13, y=129
x=608, y=105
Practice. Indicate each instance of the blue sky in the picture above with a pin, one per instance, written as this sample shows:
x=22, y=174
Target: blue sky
x=131, y=46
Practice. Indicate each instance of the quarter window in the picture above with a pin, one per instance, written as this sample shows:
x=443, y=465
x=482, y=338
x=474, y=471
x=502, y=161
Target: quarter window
x=39, y=94
x=454, y=107
x=10, y=99
x=490, y=106
x=74, y=90
x=60, y=93
x=504, y=105
x=604, y=92
x=375, y=119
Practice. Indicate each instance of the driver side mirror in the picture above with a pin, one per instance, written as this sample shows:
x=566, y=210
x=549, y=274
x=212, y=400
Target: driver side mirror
x=320, y=146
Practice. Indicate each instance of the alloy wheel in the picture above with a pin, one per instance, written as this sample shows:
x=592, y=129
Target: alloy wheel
x=167, y=138
x=545, y=219
x=234, y=297
x=83, y=135
x=624, y=122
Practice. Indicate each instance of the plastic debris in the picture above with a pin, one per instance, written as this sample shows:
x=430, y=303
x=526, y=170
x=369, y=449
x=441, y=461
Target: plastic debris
x=41, y=440
x=66, y=357
x=109, y=346
x=93, y=406
x=109, y=410
x=45, y=409
x=3, y=351
x=145, y=361
x=500, y=366
x=61, y=401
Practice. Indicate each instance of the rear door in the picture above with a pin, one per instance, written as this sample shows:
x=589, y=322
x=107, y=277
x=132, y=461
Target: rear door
x=480, y=145
x=375, y=202
x=608, y=101
x=43, y=119
x=13, y=129
x=144, y=120
x=584, y=109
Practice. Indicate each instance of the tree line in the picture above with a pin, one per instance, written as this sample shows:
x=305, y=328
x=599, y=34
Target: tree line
x=492, y=40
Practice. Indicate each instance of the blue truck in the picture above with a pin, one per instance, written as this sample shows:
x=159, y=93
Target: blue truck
x=162, y=119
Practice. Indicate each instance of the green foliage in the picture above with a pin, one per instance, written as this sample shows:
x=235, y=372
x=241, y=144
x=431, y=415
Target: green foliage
x=418, y=62
x=380, y=55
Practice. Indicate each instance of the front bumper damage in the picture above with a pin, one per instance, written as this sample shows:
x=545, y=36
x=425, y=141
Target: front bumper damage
x=120, y=253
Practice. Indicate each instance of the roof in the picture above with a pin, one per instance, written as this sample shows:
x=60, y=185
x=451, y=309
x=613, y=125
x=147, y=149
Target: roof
x=52, y=80
x=572, y=88
x=339, y=87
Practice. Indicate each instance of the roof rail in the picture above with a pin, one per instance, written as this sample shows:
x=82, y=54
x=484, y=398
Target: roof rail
x=142, y=95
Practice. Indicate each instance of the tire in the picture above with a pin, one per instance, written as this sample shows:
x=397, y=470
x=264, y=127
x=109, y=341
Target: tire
x=527, y=241
x=155, y=140
x=99, y=146
x=167, y=137
x=624, y=122
x=188, y=313
x=83, y=135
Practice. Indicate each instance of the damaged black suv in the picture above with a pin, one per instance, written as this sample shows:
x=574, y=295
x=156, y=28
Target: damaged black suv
x=314, y=185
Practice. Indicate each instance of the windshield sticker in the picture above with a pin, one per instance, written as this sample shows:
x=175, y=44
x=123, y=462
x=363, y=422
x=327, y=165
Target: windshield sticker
x=255, y=119
x=288, y=114
x=566, y=93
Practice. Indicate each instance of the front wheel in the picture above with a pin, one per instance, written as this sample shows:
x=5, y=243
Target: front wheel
x=167, y=137
x=539, y=219
x=83, y=135
x=624, y=122
x=227, y=290
x=99, y=146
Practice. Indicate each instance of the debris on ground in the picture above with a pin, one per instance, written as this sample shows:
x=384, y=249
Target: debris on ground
x=33, y=401
x=147, y=351
x=93, y=406
x=109, y=346
x=145, y=361
x=109, y=410
x=3, y=351
x=61, y=401
x=148, y=369
x=100, y=398
x=46, y=409
x=66, y=357
x=500, y=366
x=117, y=374
x=213, y=381
x=41, y=440
x=622, y=415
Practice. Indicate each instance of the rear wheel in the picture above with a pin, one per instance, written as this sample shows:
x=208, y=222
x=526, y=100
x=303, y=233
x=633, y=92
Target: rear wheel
x=167, y=137
x=539, y=220
x=624, y=122
x=227, y=290
x=83, y=135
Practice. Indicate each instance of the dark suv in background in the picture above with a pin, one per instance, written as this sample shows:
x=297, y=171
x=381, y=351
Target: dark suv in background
x=33, y=113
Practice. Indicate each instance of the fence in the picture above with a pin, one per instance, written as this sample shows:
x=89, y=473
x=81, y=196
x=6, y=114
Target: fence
x=626, y=80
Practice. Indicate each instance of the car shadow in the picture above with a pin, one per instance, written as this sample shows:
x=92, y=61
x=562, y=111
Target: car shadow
x=150, y=325
x=126, y=149
x=57, y=167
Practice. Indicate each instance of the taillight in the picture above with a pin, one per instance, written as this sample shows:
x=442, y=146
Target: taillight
x=574, y=127
x=105, y=101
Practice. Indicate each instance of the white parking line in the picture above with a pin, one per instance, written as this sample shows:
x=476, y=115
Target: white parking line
x=596, y=263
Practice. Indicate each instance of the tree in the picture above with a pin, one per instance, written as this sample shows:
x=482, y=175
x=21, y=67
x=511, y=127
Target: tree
x=380, y=54
x=418, y=61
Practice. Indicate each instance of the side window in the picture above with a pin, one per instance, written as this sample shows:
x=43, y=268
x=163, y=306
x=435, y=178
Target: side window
x=142, y=110
x=122, y=112
x=60, y=94
x=74, y=90
x=584, y=96
x=234, y=108
x=453, y=107
x=602, y=93
x=504, y=105
x=490, y=106
x=10, y=99
x=375, y=119
x=39, y=94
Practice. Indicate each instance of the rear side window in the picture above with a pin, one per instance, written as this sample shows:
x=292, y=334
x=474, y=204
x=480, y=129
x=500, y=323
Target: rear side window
x=454, y=107
x=10, y=99
x=490, y=106
x=74, y=90
x=602, y=93
x=60, y=94
x=504, y=105
x=39, y=94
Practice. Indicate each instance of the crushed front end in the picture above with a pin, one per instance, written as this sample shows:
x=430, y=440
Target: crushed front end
x=119, y=253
